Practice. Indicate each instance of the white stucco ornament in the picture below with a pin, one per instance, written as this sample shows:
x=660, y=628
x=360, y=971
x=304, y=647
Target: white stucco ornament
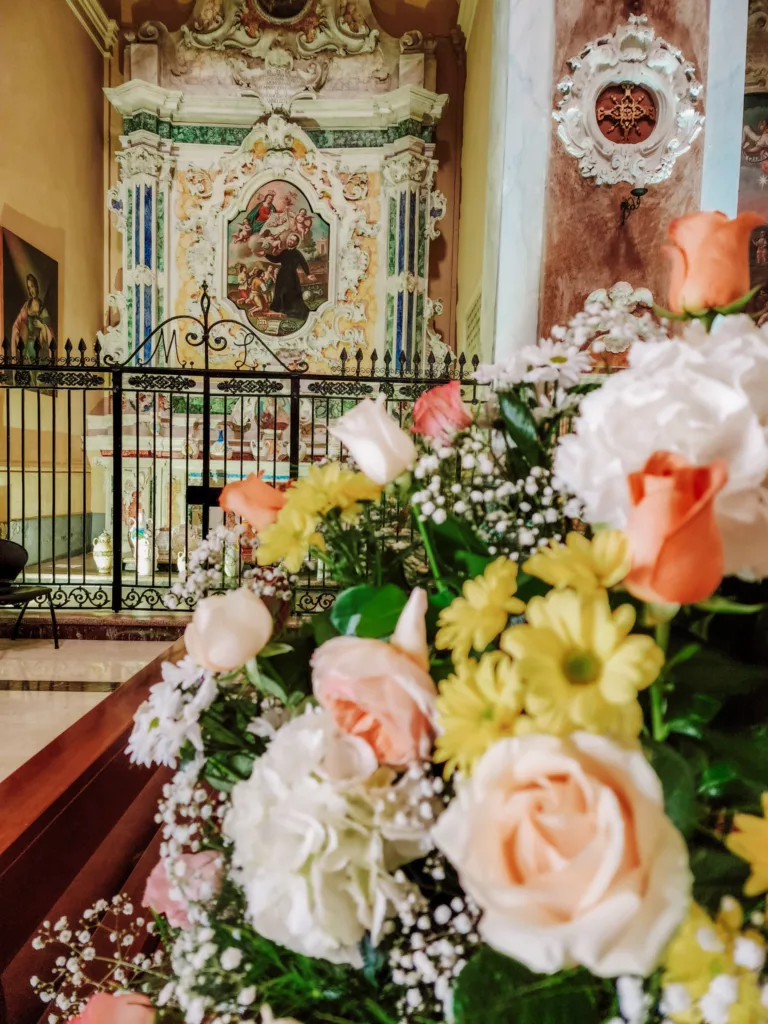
x=630, y=107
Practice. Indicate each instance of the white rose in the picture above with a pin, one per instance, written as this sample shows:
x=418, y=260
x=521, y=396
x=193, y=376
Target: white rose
x=379, y=446
x=227, y=630
x=312, y=849
x=706, y=398
x=564, y=845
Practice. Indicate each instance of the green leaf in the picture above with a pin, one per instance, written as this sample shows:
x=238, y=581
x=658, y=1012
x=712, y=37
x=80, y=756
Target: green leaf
x=275, y=650
x=716, y=873
x=717, y=777
x=492, y=989
x=347, y=608
x=724, y=606
x=711, y=671
x=322, y=627
x=379, y=616
x=368, y=611
x=530, y=586
x=521, y=426
x=678, y=783
x=747, y=753
x=475, y=564
x=739, y=304
x=458, y=536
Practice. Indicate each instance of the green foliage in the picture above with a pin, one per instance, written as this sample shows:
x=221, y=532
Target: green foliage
x=678, y=783
x=521, y=429
x=368, y=611
x=716, y=873
x=492, y=989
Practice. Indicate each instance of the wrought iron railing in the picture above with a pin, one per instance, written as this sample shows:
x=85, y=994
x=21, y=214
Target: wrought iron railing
x=140, y=451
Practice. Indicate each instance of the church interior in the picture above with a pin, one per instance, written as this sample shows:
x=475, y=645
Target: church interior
x=225, y=224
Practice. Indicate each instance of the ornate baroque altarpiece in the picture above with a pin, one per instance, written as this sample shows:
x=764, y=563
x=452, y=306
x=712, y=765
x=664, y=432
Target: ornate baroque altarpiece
x=282, y=152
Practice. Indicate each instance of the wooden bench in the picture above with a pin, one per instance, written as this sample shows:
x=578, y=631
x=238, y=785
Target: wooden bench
x=76, y=824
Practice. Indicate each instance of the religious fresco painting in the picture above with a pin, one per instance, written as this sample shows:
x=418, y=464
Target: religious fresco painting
x=30, y=288
x=278, y=259
x=753, y=191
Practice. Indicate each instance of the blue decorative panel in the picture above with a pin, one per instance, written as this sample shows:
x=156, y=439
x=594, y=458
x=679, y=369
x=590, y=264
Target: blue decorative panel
x=129, y=229
x=137, y=218
x=399, y=327
x=147, y=226
x=412, y=227
x=409, y=335
x=137, y=318
x=401, y=236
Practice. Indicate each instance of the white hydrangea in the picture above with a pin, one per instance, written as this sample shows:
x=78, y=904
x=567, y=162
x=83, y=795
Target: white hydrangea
x=316, y=832
x=171, y=715
x=704, y=397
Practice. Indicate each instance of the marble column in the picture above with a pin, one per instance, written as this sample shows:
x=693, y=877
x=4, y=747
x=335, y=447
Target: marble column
x=520, y=135
x=146, y=168
x=413, y=209
x=725, y=105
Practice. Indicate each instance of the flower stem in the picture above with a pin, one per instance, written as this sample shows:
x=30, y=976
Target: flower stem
x=431, y=558
x=658, y=728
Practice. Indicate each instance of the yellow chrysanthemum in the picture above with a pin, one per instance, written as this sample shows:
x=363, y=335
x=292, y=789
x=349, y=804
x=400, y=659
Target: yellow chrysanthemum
x=289, y=539
x=477, y=706
x=703, y=950
x=331, y=486
x=584, y=565
x=749, y=840
x=580, y=666
x=482, y=611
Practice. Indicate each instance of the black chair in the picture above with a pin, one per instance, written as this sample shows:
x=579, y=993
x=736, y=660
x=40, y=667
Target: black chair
x=13, y=558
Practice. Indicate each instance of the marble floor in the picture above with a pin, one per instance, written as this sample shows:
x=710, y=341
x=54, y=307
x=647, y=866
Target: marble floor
x=43, y=691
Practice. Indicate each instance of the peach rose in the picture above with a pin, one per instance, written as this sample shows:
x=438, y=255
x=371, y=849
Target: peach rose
x=440, y=413
x=710, y=260
x=382, y=692
x=227, y=630
x=254, y=500
x=103, y=1008
x=377, y=443
x=564, y=845
x=200, y=880
x=677, y=549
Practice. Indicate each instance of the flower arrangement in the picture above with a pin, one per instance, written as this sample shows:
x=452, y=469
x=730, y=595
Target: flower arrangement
x=519, y=769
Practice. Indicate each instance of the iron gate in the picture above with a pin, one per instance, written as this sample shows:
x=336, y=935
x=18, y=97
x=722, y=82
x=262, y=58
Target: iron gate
x=141, y=449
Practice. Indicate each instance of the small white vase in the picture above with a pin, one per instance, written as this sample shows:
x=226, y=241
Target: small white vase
x=102, y=554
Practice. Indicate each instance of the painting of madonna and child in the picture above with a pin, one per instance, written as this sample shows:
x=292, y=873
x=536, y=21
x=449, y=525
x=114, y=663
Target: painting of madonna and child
x=278, y=259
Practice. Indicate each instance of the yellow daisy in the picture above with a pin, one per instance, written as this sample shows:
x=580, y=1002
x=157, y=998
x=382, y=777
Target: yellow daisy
x=580, y=666
x=477, y=706
x=584, y=565
x=749, y=840
x=289, y=539
x=482, y=611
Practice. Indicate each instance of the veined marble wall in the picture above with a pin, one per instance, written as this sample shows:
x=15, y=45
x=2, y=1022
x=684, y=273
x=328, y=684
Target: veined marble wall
x=586, y=246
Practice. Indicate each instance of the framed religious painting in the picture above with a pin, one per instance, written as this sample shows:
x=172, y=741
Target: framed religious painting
x=30, y=298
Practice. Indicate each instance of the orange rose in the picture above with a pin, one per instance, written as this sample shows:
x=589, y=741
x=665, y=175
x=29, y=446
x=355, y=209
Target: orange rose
x=677, y=550
x=254, y=500
x=710, y=260
x=382, y=692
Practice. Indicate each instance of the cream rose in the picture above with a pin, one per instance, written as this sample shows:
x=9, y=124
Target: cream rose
x=379, y=446
x=227, y=630
x=564, y=845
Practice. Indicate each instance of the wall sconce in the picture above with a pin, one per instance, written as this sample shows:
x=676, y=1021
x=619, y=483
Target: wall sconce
x=632, y=203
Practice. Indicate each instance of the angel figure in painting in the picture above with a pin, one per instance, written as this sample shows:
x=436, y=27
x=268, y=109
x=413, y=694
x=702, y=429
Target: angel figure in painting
x=32, y=326
x=755, y=143
x=761, y=249
x=288, y=298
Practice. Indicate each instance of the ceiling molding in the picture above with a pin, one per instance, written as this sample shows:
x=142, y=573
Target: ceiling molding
x=375, y=111
x=101, y=29
x=467, y=10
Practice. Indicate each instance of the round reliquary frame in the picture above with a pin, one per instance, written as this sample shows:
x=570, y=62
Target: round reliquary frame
x=629, y=107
